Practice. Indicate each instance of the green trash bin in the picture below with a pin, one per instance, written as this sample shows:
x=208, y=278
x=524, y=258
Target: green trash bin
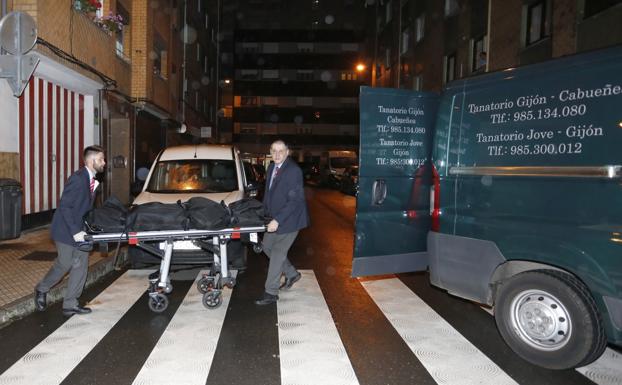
x=10, y=208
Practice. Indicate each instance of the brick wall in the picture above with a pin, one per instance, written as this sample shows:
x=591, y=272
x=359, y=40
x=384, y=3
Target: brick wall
x=505, y=33
x=564, y=31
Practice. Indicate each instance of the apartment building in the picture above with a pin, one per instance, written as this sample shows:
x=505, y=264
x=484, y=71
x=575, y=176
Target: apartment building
x=119, y=73
x=292, y=74
x=423, y=44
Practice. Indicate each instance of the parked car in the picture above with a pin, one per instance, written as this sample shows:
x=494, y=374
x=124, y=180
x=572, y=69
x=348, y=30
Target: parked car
x=179, y=173
x=255, y=180
x=310, y=171
x=350, y=180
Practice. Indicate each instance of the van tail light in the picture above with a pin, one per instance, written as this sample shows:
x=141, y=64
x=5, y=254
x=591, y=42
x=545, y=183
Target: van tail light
x=435, y=201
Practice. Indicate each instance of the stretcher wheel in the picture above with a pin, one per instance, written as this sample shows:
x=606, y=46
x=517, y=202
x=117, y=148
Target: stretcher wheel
x=205, y=284
x=257, y=248
x=168, y=288
x=158, y=303
x=212, y=299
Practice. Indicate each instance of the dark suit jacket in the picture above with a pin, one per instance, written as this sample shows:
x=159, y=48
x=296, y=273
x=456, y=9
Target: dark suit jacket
x=75, y=201
x=285, y=201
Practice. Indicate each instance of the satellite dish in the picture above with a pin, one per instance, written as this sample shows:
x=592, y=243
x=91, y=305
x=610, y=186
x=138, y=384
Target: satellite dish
x=18, y=33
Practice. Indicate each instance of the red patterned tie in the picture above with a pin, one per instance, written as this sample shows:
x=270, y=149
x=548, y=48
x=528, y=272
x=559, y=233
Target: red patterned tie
x=92, y=186
x=276, y=173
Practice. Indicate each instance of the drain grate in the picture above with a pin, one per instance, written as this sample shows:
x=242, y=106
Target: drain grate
x=40, y=256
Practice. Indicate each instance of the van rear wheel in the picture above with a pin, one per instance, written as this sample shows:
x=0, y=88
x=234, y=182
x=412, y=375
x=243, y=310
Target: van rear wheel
x=549, y=319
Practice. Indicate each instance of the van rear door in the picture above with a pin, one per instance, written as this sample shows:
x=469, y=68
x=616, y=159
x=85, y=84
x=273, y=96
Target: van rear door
x=392, y=215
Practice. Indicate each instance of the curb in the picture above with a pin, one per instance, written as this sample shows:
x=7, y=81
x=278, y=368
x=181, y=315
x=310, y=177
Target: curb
x=25, y=305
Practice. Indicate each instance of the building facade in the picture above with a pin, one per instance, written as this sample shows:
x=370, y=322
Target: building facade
x=423, y=44
x=118, y=73
x=291, y=73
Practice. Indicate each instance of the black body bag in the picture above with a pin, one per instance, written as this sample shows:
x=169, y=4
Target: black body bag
x=158, y=216
x=205, y=214
x=247, y=212
x=110, y=218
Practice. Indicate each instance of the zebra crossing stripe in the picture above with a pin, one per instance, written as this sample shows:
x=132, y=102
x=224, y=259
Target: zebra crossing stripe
x=185, y=351
x=607, y=370
x=311, y=350
x=449, y=357
x=56, y=356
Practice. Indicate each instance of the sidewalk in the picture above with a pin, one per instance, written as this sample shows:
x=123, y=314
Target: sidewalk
x=25, y=260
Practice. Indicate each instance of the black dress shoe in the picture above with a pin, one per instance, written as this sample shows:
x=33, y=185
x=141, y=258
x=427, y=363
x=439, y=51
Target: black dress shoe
x=267, y=299
x=40, y=300
x=76, y=310
x=289, y=282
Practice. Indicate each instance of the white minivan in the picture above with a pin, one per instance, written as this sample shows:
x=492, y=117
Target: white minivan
x=201, y=170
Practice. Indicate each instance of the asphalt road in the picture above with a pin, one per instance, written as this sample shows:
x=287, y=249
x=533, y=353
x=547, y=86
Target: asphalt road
x=328, y=329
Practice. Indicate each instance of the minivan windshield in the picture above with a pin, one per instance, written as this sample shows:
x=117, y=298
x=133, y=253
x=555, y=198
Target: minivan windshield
x=193, y=176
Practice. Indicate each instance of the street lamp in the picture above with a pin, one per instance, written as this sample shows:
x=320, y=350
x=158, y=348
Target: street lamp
x=360, y=67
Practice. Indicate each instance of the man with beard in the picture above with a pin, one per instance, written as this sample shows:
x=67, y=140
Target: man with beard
x=68, y=233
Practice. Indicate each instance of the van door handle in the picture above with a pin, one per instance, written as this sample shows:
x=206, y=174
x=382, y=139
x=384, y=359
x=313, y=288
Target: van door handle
x=378, y=192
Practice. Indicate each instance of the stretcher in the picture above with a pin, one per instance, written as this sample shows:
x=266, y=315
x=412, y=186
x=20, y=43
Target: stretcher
x=210, y=284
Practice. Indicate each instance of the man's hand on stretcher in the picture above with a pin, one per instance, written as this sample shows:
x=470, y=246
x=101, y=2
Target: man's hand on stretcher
x=272, y=226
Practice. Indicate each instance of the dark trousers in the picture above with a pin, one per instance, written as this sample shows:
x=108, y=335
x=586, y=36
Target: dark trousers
x=71, y=260
x=276, y=246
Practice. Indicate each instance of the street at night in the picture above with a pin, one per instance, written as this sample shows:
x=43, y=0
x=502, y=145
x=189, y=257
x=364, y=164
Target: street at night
x=328, y=329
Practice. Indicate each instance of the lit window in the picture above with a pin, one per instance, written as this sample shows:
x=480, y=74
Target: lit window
x=388, y=12
x=419, y=28
x=405, y=41
x=478, y=54
x=537, y=26
x=451, y=7
x=449, y=70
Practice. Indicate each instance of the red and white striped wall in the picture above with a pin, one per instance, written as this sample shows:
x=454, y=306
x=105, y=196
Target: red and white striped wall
x=51, y=123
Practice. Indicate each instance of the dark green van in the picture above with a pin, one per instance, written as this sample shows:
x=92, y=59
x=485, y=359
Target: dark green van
x=522, y=186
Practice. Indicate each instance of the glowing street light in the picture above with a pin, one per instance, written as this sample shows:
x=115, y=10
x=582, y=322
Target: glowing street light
x=360, y=67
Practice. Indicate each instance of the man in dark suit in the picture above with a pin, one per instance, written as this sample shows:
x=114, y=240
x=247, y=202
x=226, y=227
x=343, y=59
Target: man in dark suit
x=67, y=232
x=284, y=201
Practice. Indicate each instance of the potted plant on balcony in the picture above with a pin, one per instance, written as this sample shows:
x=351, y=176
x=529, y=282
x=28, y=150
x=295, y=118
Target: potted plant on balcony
x=89, y=7
x=111, y=22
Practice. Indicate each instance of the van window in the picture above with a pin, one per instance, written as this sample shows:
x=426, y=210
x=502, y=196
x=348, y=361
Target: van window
x=197, y=176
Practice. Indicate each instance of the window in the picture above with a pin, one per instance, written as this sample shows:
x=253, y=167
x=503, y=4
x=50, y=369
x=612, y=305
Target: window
x=348, y=76
x=387, y=58
x=451, y=7
x=205, y=64
x=417, y=83
x=196, y=100
x=405, y=41
x=593, y=7
x=249, y=100
x=419, y=28
x=160, y=57
x=199, y=6
x=449, y=68
x=304, y=75
x=270, y=47
x=122, y=41
x=478, y=54
x=250, y=47
x=270, y=74
x=388, y=12
x=305, y=47
x=537, y=25
x=270, y=100
x=100, y=11
x=206, y=21
x=249, y=74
